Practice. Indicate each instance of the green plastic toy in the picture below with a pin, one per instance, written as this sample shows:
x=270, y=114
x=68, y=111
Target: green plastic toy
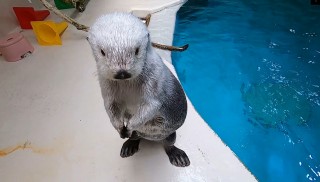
x=60, y=4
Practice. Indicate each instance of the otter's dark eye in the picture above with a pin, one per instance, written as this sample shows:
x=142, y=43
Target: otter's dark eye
x=102, y=52
x=137, y=51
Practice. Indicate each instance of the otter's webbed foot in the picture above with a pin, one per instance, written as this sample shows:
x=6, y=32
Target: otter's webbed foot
x=129, y=148
x=177, y=156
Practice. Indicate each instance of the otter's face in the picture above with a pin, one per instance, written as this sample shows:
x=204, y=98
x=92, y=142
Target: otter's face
x=119, y=42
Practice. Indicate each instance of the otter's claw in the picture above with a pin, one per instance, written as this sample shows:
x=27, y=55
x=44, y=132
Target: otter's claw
x=125, y=133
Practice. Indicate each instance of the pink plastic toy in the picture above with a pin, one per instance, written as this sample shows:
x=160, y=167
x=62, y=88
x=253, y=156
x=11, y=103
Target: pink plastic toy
x=15, y=47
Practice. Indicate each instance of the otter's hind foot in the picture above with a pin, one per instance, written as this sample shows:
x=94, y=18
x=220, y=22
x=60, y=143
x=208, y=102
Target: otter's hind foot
x=129, y=148
x=177, y=156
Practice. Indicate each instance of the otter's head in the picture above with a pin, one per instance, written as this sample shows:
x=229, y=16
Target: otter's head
x=119, y=42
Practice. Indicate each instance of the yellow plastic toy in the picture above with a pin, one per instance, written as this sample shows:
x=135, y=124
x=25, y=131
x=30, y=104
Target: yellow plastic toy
x=49, y=32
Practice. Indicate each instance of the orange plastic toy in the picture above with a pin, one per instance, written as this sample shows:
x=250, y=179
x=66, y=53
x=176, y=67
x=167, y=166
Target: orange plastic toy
x=27, y=14
x=49, y=32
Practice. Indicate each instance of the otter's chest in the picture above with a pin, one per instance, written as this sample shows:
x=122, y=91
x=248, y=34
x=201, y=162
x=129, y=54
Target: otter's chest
x=128, y=97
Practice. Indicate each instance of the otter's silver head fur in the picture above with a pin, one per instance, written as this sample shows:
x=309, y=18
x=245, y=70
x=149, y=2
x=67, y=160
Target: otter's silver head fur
x=119, y=42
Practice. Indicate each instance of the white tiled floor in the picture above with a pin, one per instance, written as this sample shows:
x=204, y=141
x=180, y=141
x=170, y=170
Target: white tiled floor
x=50, y=105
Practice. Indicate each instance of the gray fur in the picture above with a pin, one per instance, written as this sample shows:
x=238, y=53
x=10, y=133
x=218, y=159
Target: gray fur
x=152, y=93
x=151, y=103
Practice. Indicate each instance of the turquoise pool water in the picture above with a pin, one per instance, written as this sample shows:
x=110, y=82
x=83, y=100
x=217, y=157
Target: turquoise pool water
x=253, y=73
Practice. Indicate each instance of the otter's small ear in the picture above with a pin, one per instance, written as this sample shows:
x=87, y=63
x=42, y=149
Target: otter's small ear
x=87, y=39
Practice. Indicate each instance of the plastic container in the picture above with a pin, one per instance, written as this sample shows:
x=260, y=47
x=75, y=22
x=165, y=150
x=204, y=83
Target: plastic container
x=14, y=47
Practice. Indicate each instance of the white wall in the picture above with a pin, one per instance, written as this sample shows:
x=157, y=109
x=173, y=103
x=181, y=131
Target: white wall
x=8, y=20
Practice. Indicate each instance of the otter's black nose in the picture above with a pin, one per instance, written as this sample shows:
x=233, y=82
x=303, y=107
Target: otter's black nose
x=121, y=75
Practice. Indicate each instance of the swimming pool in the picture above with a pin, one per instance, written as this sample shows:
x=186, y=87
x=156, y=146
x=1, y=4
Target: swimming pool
x=252, y=71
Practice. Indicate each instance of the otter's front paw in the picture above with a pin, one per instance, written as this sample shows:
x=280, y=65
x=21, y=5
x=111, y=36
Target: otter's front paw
x=124, y=132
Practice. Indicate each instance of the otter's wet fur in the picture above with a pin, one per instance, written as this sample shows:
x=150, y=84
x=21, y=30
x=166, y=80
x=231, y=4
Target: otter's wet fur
x=143, y=99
